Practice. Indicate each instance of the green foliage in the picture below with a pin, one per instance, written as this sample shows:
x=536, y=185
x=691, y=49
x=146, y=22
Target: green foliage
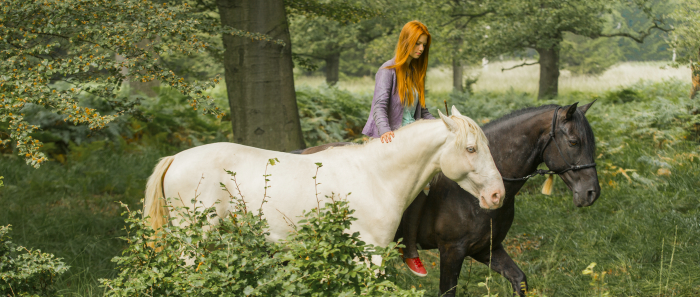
x=482, y=107
x=67, y=209
x=656, y=47
x=597, y=280
x=648, y=159
x=686, y=37
x=623, y=95
x=26, y=272
x=320, y=37
x=169, y=120
x=233, y=258
x=93, y=46
x=346, y=11
x=331, y=115
x=323, y=37
x=584, y=56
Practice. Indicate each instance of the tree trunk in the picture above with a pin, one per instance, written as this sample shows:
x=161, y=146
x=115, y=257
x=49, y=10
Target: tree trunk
x=332, y=68
x=549, y=72
x=457, y=75
x=259, y=79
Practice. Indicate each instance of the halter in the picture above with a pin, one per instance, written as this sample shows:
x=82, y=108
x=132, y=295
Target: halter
x=542, y=171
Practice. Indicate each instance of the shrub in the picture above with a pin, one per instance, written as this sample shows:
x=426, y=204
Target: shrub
x=331, y=115
x=233, y=259
x=26, y=272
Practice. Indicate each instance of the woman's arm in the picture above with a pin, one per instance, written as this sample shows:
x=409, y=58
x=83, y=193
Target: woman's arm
x=383, y=87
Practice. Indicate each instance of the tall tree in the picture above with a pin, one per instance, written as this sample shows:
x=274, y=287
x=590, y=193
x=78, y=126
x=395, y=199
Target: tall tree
x=323, y=39
x=541, y=25
x=324, y=36
x=456, y=41
x=259, y=78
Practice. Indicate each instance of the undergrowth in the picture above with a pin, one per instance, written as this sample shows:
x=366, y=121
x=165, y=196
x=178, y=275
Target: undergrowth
x=232, y=258
x=648, y=156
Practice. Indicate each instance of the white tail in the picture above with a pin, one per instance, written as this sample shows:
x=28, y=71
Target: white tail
x=154, y=203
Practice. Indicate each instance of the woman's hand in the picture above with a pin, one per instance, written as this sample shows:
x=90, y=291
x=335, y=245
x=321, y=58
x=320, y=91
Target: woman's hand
x=386, y=137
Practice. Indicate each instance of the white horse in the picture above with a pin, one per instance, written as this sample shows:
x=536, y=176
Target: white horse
x=384, y=178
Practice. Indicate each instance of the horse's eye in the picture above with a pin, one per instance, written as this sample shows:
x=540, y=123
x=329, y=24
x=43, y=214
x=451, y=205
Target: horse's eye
x=471, y=149
x=573, y=143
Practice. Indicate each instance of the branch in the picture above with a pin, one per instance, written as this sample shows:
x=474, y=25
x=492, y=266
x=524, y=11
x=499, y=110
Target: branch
x=642, y=34
x=520, y=65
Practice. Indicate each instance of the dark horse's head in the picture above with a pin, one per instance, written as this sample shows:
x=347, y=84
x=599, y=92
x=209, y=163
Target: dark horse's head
x=573, y=147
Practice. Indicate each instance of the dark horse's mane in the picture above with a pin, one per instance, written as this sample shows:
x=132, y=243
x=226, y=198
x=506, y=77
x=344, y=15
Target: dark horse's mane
x=582, y=125
x=520, y=112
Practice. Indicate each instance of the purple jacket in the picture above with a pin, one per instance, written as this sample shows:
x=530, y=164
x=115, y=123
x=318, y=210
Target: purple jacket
x=387, y=111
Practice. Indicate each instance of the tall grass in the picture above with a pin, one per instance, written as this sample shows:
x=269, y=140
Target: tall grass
x=69, y=209
x=525, y=79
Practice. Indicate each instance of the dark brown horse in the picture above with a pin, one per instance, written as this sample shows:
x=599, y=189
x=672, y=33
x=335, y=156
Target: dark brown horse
x=451, y=220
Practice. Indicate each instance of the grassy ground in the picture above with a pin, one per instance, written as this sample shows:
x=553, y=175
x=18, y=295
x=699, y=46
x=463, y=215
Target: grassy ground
x=643, y=231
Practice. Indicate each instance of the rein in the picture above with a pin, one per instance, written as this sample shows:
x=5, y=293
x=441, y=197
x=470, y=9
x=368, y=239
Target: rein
x=542, y=171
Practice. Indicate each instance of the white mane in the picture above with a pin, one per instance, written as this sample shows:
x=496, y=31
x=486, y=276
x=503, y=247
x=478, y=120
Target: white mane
x=466, y=126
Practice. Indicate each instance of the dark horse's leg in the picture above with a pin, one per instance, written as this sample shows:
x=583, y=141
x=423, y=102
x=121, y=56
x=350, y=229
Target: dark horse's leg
x=451, y=259
x=503, y=264
x=410, y=222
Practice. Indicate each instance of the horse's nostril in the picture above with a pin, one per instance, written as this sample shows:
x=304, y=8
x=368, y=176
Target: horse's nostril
x=496, y=197
x=591, y=195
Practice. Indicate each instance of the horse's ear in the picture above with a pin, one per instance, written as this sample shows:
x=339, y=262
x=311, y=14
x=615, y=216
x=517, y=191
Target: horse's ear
x=570, y=111
x=450, y=123
x=584, y=108
x=455, y=111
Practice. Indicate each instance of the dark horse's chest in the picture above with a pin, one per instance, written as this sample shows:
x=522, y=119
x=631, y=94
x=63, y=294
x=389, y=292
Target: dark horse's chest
x=460, y=221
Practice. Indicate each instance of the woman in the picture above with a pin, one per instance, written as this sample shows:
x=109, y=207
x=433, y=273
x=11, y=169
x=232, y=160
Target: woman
x=399, y=99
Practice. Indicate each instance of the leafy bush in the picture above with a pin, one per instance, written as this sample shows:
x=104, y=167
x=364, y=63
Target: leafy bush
x=624, y=95
x=482, y=107
x=167, y=120
x=26, y=272
x=331, y=115
x=233, y=259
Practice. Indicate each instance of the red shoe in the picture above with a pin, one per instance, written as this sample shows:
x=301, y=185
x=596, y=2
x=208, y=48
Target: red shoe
x=416, y=266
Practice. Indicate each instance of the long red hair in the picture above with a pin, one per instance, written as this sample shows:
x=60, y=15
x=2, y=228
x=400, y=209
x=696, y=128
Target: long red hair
x=409, y=81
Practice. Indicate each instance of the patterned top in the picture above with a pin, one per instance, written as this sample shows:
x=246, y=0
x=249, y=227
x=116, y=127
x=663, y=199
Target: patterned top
x=408, y=111
x=386, y=113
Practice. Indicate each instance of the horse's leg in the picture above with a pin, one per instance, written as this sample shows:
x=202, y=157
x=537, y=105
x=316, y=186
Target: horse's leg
x=451, y=259
x=504, y=265
x=410, y=222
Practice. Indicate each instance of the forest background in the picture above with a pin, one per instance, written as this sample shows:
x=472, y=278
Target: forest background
x=94, y=92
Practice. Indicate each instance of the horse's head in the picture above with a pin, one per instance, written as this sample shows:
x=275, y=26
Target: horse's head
x=466, y=159
x=573, y=145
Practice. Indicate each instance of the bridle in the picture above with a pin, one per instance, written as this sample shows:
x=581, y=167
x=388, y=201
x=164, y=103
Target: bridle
x=542, y=171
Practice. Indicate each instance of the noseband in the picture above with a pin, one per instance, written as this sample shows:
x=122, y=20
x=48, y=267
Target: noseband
x=542, y=171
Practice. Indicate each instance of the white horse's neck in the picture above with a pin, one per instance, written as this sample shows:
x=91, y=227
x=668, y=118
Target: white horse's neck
x=409, y=161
